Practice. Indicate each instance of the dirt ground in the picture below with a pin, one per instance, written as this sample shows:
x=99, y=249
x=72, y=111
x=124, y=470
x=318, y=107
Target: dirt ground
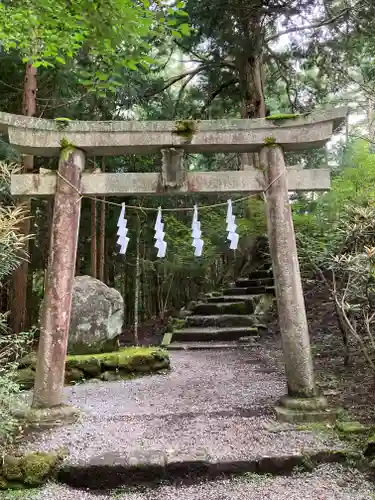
x=348, y=387
x=351, y=387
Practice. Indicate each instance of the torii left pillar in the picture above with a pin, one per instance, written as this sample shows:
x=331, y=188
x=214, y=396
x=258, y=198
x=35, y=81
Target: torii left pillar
x=57, y=303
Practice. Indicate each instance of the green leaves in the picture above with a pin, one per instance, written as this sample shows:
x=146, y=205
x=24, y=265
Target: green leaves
x=184, y=29
x=112, y=35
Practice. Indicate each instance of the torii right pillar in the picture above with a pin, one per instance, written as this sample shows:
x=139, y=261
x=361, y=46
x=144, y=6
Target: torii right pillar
x=302, y=403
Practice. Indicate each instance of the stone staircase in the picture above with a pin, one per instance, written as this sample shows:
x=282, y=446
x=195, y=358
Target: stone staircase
x=225, y=319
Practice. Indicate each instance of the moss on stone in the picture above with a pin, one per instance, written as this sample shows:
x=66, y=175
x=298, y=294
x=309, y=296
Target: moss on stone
x=88, y=366
x=351, y=427
x=176, y=324
x=269, y=141
x=283, y=116
x=38, y=467
x=74, y=375
x=236, y=308
x=11, y=469
x=128, y=359
x=31, y=470
x=186, y=129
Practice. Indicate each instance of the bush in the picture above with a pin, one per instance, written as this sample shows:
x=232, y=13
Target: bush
x=12, y=347
x=336, y=239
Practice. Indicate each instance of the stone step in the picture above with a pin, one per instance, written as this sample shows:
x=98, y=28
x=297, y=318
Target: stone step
x=245, y=297
x=248, y=282
x=261, y=274
x=216, y=308
x=221, y=320
x=234, y=291
x=256, y=290
x=212, y=334
x=214, y=345
x=140, y=468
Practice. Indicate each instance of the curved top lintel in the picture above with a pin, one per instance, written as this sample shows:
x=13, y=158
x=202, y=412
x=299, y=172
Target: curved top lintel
x=42, y=137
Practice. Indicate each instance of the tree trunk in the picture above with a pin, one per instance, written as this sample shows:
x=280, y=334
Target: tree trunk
x=94, y=247
x=19, y=278
x=253, y=105
x=56, y=309
x=102, y=235
x=137, y=285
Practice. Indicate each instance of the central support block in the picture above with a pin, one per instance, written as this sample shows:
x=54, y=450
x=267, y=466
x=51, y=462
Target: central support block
x=172, y=170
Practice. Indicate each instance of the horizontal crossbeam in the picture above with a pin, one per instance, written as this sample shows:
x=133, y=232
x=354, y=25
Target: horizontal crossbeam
x=40, y=137
x=141, y=184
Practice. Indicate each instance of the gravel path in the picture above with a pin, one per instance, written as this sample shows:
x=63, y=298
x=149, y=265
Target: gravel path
x=213, y=404
x=327, y=482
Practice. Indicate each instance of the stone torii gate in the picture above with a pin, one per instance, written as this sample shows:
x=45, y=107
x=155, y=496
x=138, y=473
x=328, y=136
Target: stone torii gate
x=74, y=140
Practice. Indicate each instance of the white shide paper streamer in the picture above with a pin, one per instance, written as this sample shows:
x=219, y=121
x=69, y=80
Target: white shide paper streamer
x=233, y=236
x=160, y=244
x=122, y=231
x=196, y=234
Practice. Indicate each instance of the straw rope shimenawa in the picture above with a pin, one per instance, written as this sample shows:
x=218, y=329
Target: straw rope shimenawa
x=183, y=209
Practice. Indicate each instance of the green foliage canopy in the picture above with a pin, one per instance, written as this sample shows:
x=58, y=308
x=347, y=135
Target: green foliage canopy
x=107, y=35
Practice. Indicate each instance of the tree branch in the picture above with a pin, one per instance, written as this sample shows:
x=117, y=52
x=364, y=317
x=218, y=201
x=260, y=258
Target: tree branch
x=318, y=24
x=182, y=90
x=214, y=94
x=192, y=73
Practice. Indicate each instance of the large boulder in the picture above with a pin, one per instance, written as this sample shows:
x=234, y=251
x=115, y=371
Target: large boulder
x=97, y=317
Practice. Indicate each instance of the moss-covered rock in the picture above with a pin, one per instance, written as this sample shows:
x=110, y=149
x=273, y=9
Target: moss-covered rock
x=31, y=470
x=111, y=376
x=38, y=467
x=175, y=324
x=73, y=375
x=89, y=365
x=129, y=360
x=12, y=470
x=347, y=427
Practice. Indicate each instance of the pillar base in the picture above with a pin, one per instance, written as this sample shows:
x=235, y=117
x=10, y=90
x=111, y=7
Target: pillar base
x=47, y=417
x=298, y=410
